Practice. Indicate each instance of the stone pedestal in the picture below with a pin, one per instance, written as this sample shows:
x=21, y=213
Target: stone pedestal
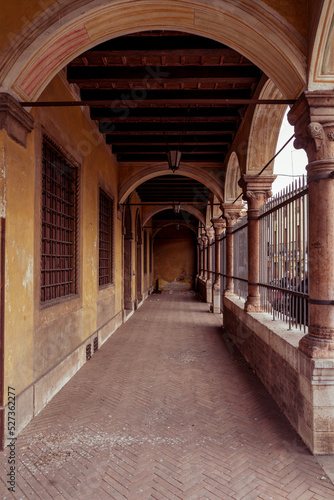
x=219, y=226
x=256, y=191
x=231, y=213
x=313, y=118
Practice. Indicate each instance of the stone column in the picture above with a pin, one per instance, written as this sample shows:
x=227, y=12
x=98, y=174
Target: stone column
x=211, y=234
x=231, y=213
x=200, y=250
x=205, y=256
x=219, y=225
x=256, y=191
x=198, y=263
x=313, y=118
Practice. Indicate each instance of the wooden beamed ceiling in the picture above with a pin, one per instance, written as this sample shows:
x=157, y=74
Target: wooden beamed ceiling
x=166, y=90
x=159, y=90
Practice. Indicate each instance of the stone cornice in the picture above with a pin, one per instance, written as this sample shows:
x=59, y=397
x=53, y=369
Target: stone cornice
x=14, y=119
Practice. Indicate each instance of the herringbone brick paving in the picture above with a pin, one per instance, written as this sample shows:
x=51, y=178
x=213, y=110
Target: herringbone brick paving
x=166, y=409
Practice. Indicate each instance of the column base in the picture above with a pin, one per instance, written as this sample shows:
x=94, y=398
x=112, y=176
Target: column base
x=253, y=304
x=228, y=292
x=209, y=291
x=315, y=347
x=216, y=299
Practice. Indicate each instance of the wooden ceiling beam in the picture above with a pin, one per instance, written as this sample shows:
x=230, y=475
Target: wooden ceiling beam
x=158, y=127
x=169, y=74
x=146, y=43
x=156, y=157
x=180, y=114
x=163, y=140
x=121, y=98
x=153, y=148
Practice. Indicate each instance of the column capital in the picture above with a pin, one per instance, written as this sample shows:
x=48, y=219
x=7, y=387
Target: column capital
x=231, y=212
x=210, y=234
x=204, y=239
x=256, y=189
x=17, y=122
x=313, y=119
x=219, y=224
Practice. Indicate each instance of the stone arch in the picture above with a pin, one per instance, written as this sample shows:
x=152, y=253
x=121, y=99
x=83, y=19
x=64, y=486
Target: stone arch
x=233, y=174
x=168, y=224
x=151, y=171
x=187, y=208
x=251, y=27
x=264, y=131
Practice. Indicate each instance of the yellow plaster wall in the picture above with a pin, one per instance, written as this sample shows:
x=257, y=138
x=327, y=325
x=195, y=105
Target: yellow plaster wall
x=174, y=256
x=19, y=311
x=37, y=338
x=295, y=12
x=17, y=14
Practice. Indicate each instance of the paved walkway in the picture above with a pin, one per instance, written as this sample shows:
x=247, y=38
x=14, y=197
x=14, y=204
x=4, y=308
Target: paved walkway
x=165, y=410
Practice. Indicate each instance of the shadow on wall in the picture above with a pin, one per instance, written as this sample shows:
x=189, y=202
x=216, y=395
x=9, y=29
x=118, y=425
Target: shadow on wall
x=175, y=259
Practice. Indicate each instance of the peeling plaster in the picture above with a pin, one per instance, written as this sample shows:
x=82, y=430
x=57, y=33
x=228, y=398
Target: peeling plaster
x=28, y=278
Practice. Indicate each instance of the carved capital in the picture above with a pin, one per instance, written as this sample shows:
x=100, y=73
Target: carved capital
x=219, y=226
x=317, y=135
x=256, y=189
x=14, y=119
x=255, y=199
x=210, y=234
x=313, y=119
x=231, y=212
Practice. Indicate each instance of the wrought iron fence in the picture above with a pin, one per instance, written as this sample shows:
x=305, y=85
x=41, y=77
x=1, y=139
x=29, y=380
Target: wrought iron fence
x=240, y=257
x=283, y=255
x=222, y=267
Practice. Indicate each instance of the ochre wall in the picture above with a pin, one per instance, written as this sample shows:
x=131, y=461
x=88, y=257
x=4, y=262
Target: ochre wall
x=19, y=304
x=38, y=338
x=174, y=256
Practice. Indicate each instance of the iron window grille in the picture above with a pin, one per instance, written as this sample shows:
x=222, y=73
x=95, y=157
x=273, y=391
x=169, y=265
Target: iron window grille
x=105, y=239
x=59, y=224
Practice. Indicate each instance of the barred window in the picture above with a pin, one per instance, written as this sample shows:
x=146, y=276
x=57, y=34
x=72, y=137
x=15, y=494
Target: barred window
x=59, y=224
x=105, y=239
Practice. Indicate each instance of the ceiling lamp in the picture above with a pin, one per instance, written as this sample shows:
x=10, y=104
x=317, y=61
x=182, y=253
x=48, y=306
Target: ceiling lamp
x=174, y=158
x=176, y=208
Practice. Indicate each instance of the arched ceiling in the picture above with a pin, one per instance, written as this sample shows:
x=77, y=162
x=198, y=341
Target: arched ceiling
x=174, y=198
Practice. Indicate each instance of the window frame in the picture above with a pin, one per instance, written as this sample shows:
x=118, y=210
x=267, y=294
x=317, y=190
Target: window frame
x=53, y=225
x=110, y=258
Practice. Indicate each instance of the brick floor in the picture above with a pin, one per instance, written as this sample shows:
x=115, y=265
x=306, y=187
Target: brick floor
x=164, y=410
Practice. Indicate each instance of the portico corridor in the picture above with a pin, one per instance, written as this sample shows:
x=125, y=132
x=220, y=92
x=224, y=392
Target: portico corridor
x=165, y=409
